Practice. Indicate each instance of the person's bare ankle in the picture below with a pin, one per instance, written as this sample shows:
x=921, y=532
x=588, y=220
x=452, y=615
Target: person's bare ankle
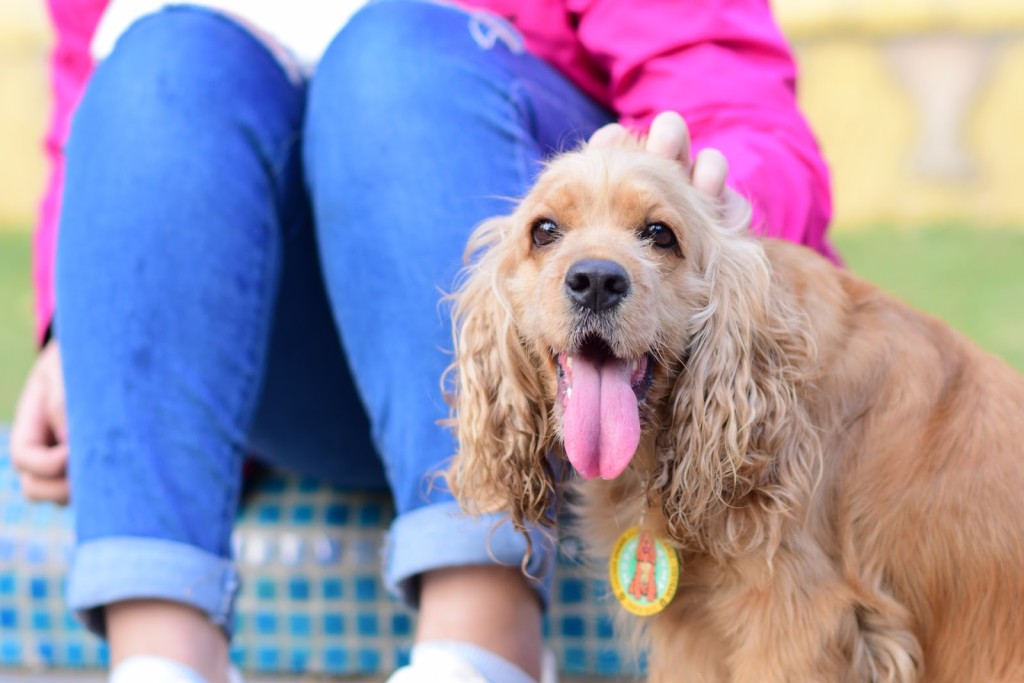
x=169, y=630
x=491, y=607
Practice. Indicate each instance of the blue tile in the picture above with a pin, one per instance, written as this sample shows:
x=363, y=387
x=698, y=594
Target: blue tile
x=266, y=589
x=268, y=514
x=571, y=591
x=366, y=589
x=366, y=624
x=370, y=515
x=266, y=623
x=298, y=588
x=401, y=625
x=103, y=655
x=302, y=515
x=299, y=660
x=38, y=589
x=334, y=624
x=369, y=661
x=609, y=663
x=41, y=621
x=299, y=625
x=10, y=653
x=75, y=656
x=7, y=585
x=332, y=589
x=573, y=627
x=575, y=660
x=266, y=658
x=337, y=514
x=44, y=650
x=8, y=618
x=605, y=627
x=402, y=656
x=6, y=549
x=335, y=660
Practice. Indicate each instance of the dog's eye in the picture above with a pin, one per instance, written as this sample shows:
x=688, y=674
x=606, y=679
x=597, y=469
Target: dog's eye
x=545, y=232
x=659, y=235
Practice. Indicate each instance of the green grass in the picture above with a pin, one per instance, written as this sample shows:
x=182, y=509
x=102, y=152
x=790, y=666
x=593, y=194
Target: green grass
x=972, y=278
x=16, y=343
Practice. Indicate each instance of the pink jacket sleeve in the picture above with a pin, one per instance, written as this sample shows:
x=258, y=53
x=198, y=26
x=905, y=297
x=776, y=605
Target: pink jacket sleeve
x=725, y=66
x=74, y=22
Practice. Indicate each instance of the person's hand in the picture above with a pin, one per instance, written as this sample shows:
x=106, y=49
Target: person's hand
x=39, y=448
x=669, y=137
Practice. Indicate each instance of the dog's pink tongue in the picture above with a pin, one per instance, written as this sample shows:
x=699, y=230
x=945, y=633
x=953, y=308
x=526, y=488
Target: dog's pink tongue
x=602, y=420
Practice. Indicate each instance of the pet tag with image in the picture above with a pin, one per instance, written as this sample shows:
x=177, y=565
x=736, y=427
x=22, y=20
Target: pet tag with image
x=644, y=572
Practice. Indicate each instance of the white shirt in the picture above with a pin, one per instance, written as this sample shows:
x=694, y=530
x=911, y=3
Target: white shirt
x=303, y=28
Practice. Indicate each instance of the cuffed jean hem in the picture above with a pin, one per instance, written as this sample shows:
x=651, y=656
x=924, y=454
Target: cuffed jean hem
x=442, y=535
x=122, y=568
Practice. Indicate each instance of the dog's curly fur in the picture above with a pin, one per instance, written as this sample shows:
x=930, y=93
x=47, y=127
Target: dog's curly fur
x=842, y=476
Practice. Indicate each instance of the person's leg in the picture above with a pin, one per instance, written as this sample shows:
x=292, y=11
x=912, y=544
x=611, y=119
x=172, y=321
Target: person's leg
x=422, y=121
x=183, y=164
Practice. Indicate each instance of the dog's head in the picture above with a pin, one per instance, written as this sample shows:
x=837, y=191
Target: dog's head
x=613, y=304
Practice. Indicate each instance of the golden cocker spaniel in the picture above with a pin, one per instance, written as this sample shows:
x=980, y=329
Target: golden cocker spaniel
x=841, y=476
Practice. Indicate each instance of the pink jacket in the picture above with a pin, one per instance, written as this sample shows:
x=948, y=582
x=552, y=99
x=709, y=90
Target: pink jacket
x=723, y=64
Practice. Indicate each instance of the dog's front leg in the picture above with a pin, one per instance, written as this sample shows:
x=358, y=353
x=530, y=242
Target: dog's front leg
x=797, y=621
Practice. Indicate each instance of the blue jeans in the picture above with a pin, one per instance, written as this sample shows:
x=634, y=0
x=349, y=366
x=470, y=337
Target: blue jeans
x=247, y=264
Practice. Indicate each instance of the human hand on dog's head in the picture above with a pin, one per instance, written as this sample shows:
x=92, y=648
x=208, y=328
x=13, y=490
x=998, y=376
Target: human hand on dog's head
x=669, y=138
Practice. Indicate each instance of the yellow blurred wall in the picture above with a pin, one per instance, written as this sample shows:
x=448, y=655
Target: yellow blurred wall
x=918, y=104
x=24, y=42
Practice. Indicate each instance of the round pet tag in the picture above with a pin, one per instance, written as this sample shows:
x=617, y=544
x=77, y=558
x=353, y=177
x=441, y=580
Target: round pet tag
x=644, y=572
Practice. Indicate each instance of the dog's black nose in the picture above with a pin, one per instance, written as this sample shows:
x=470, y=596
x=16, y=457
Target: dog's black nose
x=597, y=284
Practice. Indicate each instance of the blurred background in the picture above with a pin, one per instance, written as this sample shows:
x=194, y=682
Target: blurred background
x=918, y=105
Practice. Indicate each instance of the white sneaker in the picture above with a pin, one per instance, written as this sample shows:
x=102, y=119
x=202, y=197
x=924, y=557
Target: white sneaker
x=146, y=669
x=548, y=667
x=438, y=666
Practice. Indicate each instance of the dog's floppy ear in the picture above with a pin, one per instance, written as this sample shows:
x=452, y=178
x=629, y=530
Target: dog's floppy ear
x=499, y=413
x=739, y=438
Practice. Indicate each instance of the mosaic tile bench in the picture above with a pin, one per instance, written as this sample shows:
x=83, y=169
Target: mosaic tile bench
x=312, y=600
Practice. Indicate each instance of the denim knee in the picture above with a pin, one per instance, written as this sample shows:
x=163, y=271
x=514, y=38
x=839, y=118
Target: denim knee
x=403, y=56
x=179, y=86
